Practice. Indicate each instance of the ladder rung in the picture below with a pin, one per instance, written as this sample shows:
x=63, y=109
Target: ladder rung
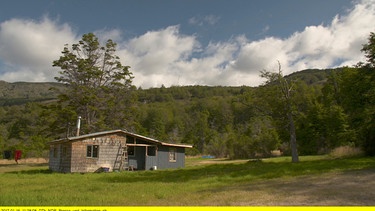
x=121, y=162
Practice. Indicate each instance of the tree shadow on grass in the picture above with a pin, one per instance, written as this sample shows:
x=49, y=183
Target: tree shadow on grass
x=23, y=168
x=19, y=165
x=242, y=172
x=178, y=175
x=33, y=171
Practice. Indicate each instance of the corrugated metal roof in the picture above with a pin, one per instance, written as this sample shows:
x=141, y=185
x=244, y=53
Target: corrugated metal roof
x=92, y=135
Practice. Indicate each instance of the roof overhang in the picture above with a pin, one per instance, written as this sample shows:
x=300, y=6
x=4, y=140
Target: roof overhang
x=98, y=134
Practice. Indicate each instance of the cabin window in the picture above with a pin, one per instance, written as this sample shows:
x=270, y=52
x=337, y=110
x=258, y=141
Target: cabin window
x=151, y=150
x=131, y=151
x=172, y=154
x=92, y=151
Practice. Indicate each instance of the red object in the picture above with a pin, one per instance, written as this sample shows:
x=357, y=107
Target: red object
x=17, y=155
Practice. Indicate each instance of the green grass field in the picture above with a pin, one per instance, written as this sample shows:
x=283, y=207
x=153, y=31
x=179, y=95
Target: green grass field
x=201, y=182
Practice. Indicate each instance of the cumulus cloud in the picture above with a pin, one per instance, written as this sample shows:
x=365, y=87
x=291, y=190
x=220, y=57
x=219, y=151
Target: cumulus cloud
x=168, y=57
x=323, y=46
x=153, y=56
x=28, y=47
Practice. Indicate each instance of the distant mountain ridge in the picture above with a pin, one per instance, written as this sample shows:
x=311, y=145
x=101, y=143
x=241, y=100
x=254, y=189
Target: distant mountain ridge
x=311, y=76
x=22, y=92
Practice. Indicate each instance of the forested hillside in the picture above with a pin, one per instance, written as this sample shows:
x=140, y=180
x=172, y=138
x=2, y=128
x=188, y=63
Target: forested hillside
x=309, y=112
x=222, y=121
x=23, y=92
x=19, y=93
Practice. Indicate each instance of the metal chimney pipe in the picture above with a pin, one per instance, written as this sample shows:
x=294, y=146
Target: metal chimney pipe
x=78, y=124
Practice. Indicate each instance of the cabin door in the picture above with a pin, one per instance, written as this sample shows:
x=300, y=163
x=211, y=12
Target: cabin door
x=151, y=158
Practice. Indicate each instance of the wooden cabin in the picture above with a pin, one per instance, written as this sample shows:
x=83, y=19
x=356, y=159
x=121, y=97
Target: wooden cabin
x=114, y=150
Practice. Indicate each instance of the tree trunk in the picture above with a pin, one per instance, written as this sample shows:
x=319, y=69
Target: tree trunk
x=293, y=139
x=286, y=89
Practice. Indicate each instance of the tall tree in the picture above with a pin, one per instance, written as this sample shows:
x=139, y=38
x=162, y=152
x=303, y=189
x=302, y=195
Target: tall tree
x=353, y=89
x=369, y=50
x=285, y=88
x=97, y=82
x=363, y=93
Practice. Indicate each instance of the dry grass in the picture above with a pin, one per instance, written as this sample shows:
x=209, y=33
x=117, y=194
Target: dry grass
x=346, y=151
x=25, y=161
x=23, y=164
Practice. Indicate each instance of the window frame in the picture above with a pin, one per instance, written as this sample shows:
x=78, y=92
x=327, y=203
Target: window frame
x=172, y=154
x=92, y=151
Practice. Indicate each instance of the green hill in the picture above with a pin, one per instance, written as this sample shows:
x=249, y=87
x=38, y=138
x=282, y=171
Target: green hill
x=311, y=76
x=217, y=120
x=22, y=92
x=19, y=93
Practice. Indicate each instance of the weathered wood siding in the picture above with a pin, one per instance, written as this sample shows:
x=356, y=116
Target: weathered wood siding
x=108, y=149
x=54, y=157
x=60, y=157
x=65, y=157
x=71, y=155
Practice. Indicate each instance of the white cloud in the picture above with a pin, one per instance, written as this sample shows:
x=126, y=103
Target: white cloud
x=205, y=20
x=27, y=48
x=238, y=61
x=265, y=29
x=105, y=34
x=322, y=46
x=166, y=56
x=258, y=55
x=153, y=56
x=211, y=19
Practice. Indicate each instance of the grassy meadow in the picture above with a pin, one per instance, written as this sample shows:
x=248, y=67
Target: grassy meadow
x=201, y=182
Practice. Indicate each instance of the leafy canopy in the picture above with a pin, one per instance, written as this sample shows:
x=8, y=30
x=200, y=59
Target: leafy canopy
x=97, y=82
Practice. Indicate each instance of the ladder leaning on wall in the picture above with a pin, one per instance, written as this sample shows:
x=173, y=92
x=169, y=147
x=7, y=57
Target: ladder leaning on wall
x=122, y=160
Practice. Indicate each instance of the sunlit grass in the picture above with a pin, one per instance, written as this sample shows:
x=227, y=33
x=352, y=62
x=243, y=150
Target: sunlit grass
x=187, y=186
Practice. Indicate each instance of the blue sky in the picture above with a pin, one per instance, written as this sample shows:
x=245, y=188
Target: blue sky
x=187, y=42
x=210, y=19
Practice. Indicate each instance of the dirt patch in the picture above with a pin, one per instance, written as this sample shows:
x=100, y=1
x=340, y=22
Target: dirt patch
x=331, y=189
x=25, y=161
x=221, y=161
